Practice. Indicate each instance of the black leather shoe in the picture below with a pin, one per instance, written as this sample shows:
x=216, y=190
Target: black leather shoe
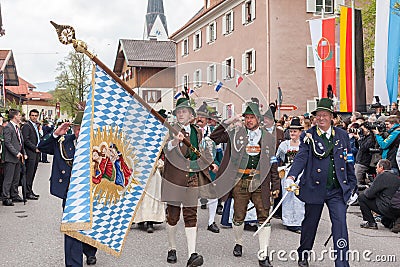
x=91, y=260
x=36, y=195
x=237, y=250
x=32, y=197
x=213, y=228
x=203, y=206
x=369, y=225
x=171, y=258
x=303, y=263
x=8, y=202
x=17, y=199
x=195, y=260
x=150, y=228
x=265, y=263
x=220, y=209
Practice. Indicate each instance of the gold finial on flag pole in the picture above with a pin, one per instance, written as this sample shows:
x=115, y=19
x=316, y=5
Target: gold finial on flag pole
x=66, y=35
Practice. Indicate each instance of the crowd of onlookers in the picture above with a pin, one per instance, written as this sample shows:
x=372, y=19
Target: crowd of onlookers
x=19, y=136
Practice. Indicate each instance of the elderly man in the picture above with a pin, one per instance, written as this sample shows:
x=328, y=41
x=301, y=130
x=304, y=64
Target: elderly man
x=183, y=172
x=328, y=177
x=246, y=166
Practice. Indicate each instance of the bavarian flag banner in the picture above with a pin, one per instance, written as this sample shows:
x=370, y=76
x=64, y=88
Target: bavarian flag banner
x=118, y=145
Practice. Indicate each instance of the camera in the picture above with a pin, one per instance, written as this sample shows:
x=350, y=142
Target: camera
x=380, y=126
x=355, y=130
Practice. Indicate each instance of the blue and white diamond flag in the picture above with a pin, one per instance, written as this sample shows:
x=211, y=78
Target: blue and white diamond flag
x=118, y=145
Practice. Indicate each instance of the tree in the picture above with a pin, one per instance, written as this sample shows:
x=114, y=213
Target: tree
x=73, y=81
x=368, y=12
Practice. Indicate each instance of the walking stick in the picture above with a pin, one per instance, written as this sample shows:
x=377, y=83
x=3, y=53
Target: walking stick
x=294, y=187
x=23, y=179
x=66, y=35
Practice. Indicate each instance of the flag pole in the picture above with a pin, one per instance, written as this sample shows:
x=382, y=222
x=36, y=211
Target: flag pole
x=353, y=56
x=66, y=35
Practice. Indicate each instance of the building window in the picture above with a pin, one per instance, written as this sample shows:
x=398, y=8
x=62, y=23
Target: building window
x=152, y=96
x=227, y=23
x=208, y=3
x=248, y=11
x=185, y=82
x=197, y=40
x=310, y=57
x=185, y=47
x=49, y=112
x=211, y=32
x=316, y=6
x=197, y=78
x=249, y=62
x=228, y=68
x=212, y=74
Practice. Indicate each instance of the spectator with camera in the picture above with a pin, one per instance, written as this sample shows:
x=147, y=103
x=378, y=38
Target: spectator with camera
x=366, y=142
x=389, y=142
x=378, y=197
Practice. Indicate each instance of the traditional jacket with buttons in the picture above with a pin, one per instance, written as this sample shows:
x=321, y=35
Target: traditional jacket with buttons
x=178, y=169
x=313, y=182
x=62, y=163
x=228, y=175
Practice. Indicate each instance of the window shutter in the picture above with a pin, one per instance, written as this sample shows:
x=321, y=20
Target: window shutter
x=310, y=57
x=208, y=75
x=200, y=81
x=232, y=67
x=215, y=30
x=194, y=42
x=244, y=63
x=339, y=3
x=244, y=13
x=253, y=59
x=232, y=23
x=199, y=38
x=311, y=6
x=195, y=79
x=183, y=47
x=224, y=25
x=214, y=74
x=183, y=83
x=208, y=34
x=253, y=10
x=223, y=69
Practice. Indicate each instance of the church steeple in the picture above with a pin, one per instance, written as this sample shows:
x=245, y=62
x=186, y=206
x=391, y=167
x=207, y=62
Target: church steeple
x=156, y=22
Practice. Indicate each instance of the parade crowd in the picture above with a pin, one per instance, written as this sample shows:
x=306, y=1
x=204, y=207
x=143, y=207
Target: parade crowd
x=239, y=168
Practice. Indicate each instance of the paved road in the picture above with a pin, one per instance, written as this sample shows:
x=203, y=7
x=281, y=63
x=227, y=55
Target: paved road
x=30, y=236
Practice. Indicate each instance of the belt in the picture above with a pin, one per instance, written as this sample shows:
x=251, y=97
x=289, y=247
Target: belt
x=250, y=172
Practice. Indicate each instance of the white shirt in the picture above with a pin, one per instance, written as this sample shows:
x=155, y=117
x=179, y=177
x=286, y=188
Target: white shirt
x=328, y=132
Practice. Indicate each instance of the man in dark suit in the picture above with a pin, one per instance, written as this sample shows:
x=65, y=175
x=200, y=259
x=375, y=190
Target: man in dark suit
x=31, y=135
x=46, y=130
x=246, y=169
x=183, y=172
x=13, y=154
x=328, y=177
x=62, y=146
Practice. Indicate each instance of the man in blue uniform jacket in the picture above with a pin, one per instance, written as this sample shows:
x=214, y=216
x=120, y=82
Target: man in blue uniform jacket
x=62, y=146
x=328, y=177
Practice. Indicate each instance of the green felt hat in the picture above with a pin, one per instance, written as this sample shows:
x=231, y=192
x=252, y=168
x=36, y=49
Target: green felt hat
x=324, y=104
x=183, y=103
x=253, y=109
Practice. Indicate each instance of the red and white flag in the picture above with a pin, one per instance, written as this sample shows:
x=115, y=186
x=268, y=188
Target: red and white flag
x=239, y=79
x=323, y=43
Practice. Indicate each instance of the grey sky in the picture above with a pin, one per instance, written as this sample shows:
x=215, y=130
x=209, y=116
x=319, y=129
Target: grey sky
x=99, y=23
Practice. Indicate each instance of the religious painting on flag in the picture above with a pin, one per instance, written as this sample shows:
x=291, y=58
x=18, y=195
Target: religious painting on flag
x=118, y=146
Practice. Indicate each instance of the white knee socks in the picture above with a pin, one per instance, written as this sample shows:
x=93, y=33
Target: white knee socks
x=212, y=210
x=171, y=230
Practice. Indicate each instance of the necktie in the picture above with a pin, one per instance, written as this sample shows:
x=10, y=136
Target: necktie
x=18, y=134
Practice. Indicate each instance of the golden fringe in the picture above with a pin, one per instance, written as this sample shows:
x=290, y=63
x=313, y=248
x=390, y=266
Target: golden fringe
x=90, y=241
x=65, y=227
